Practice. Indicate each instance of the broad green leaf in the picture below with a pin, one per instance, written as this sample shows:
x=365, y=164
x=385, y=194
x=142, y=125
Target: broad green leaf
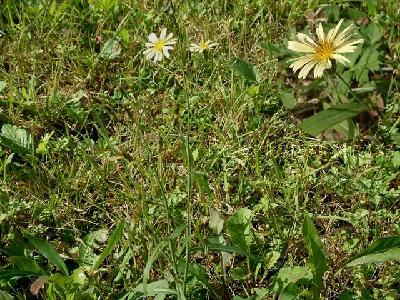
x=291, y=275
x=271, y=259
x=238, y=273
x=371, y=33
x=202, y=182
x=9, y=274
x=240, y=229
x=382, y=250
x=78, y=276
x=25, y=264
x=151, y=259
x=396, y=158
x=91, y=241
x=316, y=258
x=332, y=116
x=158, y=288
x=225, y=248
x=353, y=14
x=216, y=222
x=111, y=49
x=254, y=297
x=17, y=139
x=369, y=62
x=124, y=35
x=288, y=99
x=5, y=296
x=245, y=69
x=3, y=85
x=106, y=5
x=47, y=251
x=200, y=273
x=112, y=242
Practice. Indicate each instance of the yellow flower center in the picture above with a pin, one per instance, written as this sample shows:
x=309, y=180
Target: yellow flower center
x=324, y=50
x=159, y=45
x=203, y=45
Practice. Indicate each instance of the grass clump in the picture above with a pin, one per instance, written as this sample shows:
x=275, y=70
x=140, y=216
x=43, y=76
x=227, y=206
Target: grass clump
x=212, y=174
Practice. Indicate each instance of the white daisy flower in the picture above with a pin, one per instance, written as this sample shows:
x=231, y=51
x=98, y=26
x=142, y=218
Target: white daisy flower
x=157, y=48
x=202, y=46
x=322, y=50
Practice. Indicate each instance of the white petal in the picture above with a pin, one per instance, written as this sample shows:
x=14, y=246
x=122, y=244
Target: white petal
x=301, y=61
x=170, y=42
x=320, y=67
x=306, y=69
x=152, y=37
x=340, y=58
x=150, y=54
x=169, y=37
x=333, y=32
x=165, y=51
x=163, y=33
x=212, y=45
x=306, y=39
x=342, y=36
x=360, y=41
x=349, y=47
x=149, y=45
x=300, y=47
x=320, y=33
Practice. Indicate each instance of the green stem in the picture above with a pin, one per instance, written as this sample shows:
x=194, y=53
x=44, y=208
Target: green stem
x=348, y=86
x=189, y=184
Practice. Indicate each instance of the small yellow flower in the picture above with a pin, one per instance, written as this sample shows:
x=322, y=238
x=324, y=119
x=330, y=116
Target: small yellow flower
x=322, y=50
x=157, y=48
x=202, y=46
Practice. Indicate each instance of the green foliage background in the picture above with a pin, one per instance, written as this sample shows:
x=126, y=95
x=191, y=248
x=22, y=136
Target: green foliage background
x=122, y=179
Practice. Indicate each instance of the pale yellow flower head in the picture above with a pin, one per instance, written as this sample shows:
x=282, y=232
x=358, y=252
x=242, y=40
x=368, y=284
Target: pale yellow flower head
x=158, y=47
x=321, y=51
x=202, y=46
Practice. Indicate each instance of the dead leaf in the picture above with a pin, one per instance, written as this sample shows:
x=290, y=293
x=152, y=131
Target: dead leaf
x=38, y=284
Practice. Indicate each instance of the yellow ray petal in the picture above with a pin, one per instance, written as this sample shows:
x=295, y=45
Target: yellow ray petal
x=306, y=69
x=300, y=47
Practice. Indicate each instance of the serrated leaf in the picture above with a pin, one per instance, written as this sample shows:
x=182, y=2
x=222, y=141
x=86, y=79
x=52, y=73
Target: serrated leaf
x=200, y=273
x=369, y=62
x=371, y=33
x=17, y=139
x=47, y=251
x=332, y=116
x=111, y=49
x=90, y=242
x=240, y=229
x=316, y=257
x=380, y=251
x=245, y=69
